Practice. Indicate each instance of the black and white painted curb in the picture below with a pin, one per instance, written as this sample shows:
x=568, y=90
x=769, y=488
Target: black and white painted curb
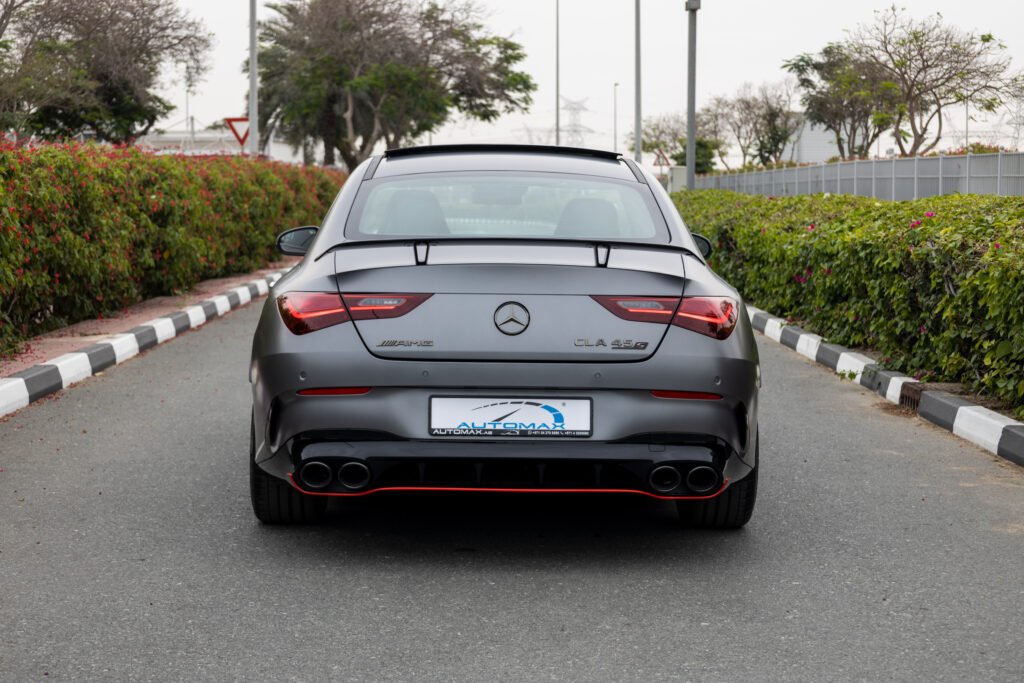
x=38, y=381
x=992, y=431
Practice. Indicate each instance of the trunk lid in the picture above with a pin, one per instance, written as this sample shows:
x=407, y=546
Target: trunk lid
x=510, y=302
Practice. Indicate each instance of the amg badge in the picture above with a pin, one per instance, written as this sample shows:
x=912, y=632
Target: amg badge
x=406, y=342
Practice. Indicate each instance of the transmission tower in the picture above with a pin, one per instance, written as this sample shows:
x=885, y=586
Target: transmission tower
x=575, y=130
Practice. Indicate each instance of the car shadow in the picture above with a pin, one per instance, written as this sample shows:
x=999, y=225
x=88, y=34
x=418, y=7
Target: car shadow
x=514, y=530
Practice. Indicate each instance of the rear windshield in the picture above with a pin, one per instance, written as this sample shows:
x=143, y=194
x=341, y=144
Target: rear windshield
x=510, y=205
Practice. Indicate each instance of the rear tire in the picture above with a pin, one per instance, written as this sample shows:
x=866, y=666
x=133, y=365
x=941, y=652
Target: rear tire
x=275, y=501
x=731, y=509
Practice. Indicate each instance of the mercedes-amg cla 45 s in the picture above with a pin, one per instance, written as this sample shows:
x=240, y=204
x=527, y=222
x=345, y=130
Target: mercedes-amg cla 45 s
x=479, y=318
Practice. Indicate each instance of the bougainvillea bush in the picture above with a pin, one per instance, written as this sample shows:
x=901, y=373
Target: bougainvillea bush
x=88, y=229
x=934, y=286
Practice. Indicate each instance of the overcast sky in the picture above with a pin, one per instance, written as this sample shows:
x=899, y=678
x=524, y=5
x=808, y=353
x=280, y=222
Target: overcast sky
x=738, y=41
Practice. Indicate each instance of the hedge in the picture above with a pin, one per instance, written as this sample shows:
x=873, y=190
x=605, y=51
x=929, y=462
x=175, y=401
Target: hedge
x=935, y=286
x=86, y=230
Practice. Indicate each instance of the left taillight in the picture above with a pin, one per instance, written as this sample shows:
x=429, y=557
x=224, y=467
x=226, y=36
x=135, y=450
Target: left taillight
x=305, y=312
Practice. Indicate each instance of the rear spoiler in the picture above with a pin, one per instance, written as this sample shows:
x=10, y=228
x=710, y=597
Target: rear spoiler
x=616, y=254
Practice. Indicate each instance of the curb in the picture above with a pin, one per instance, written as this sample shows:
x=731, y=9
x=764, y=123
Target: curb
x=995, y=432
x=27, y=386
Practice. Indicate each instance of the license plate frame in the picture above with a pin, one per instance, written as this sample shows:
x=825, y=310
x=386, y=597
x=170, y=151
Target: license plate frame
x=548, y=417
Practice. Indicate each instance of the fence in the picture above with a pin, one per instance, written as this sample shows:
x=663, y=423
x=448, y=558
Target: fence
x=898, y=179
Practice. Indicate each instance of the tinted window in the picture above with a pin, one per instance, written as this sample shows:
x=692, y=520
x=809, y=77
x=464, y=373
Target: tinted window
x=541, y=205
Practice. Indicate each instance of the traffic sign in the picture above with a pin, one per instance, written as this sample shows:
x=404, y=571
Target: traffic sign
x=239, y=128
x=660, y=158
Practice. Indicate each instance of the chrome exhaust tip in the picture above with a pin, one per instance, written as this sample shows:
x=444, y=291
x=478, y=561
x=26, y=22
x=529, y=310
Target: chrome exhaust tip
x=664, y=478
x=702, y=479
x=315, y=474
x=354, y=475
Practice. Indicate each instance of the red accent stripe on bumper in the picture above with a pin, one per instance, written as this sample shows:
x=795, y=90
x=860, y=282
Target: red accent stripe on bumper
x=467, y=489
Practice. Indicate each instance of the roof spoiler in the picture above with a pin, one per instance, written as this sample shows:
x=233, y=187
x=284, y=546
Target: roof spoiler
x=497, y=149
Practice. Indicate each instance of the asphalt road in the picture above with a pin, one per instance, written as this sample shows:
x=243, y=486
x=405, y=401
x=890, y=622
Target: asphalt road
x=881, y=548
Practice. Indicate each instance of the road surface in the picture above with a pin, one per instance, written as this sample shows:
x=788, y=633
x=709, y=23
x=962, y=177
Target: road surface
x=881, y=548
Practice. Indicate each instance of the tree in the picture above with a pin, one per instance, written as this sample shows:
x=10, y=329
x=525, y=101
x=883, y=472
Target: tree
x=68, y=67
x=713, y=124
x=776, y=124
x=850, y=97
x=663, y=133
x=744, y=122
x=705, y=151
x=35, y=71
x=934, y=66
x=121, y=46
x=354, y=73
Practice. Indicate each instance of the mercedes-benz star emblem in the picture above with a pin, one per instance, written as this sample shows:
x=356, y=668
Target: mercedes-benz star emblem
x=511, y=318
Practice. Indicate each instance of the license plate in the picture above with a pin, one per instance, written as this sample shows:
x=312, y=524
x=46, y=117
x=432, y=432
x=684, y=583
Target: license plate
x=515, y=417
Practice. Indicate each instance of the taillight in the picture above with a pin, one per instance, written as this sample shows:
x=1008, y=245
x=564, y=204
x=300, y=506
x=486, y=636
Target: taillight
x=714, y=316
x=645, y=309
x=305, y=312
x=370, y=306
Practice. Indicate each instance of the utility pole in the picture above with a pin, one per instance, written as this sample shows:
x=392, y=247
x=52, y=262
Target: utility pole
x=691, y=96
x=254, y=119
x=638, y=152
x=615, y=117
x=558, y=84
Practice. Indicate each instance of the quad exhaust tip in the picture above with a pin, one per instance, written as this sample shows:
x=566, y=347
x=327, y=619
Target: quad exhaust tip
x=315, y=474
x=354, y=475
x=665, y=478
x=702, y=479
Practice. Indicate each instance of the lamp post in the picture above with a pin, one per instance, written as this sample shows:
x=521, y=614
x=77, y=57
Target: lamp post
x=691, y=96
x=558, y=85
x=254, y=118
x=637, y=154
x=615, y=117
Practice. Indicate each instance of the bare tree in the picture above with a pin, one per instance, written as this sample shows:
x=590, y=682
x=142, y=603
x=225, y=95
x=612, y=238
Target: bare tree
x=777, y=125
x=713, y=124
x=934, y=66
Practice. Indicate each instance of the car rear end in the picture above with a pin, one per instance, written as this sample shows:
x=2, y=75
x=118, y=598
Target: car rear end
x=504, y=322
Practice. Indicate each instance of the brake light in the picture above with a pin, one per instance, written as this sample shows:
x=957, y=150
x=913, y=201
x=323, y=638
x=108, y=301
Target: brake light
x=305, y=312
x=370, y=306
x=714, y=316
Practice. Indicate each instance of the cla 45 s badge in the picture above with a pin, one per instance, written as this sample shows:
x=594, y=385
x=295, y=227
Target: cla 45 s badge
x=617, y=344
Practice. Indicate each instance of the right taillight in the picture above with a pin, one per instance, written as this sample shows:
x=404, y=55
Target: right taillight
x=714, y=316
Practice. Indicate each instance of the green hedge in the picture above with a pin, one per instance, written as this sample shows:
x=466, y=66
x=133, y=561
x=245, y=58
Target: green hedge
x=934, y=286
x=86, y=230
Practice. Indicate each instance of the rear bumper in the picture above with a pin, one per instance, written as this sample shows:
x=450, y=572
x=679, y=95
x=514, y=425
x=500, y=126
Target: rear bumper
x=704, y=469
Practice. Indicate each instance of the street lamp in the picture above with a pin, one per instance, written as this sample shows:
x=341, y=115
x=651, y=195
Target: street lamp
x=615, y=117
x=691, y=96
x=254, y=118
x=558, y=85
x=637, y=154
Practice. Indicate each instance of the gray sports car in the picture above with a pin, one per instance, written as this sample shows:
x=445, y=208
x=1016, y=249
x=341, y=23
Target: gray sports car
x=499, y=318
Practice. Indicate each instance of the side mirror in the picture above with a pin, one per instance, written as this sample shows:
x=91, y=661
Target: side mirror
x=703, y=244
x=295, y=242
